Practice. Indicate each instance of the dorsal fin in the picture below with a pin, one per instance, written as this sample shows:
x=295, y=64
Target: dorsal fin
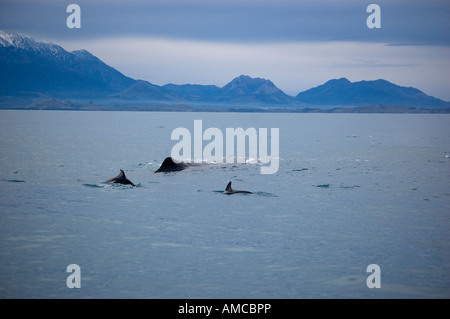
x=228, y=189
x=122, y=174
x=167, y=162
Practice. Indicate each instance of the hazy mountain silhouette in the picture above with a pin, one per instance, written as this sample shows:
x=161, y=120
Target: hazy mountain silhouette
x=30, y=66
x=342, y=92
x=33, y=73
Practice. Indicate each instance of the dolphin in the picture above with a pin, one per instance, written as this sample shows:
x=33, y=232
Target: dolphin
x=120, y=179
x=168, y=165
x=230, y=191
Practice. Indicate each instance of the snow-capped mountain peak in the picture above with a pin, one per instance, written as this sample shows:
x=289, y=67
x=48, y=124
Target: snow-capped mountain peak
x=24, y=42
x=17, y=40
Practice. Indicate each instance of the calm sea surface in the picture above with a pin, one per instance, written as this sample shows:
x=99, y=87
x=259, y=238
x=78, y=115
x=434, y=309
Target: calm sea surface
x=351, y=191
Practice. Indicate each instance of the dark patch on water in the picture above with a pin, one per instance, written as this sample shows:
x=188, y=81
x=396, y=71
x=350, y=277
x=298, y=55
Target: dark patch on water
x=265, y=194
x=349, y=186
x=14, y=180
x=323, y=185
x=94, y=185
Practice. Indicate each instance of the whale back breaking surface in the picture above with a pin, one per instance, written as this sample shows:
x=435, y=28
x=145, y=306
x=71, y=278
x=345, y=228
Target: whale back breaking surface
x=168, y=165
x=120, y=179
x=230, y=191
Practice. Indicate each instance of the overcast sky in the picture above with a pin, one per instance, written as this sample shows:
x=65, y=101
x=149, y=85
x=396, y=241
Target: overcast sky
x=296, y=44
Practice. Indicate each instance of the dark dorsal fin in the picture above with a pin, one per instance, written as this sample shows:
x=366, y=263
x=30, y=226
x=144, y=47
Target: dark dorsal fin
x=168, y=161
x=169, y=165
x=228, y=189
x=122, y=174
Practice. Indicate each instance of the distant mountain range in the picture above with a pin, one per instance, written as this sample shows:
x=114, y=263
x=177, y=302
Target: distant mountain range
x=44, y=75
x=342, y=92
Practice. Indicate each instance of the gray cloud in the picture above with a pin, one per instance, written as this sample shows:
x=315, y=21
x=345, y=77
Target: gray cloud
x=297, y=44
x=404, y=22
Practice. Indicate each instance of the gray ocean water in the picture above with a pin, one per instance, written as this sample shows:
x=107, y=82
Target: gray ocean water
x=351, y=190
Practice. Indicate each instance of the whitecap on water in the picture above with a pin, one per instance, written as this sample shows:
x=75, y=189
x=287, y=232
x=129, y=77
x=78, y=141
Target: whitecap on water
x=111, y=186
